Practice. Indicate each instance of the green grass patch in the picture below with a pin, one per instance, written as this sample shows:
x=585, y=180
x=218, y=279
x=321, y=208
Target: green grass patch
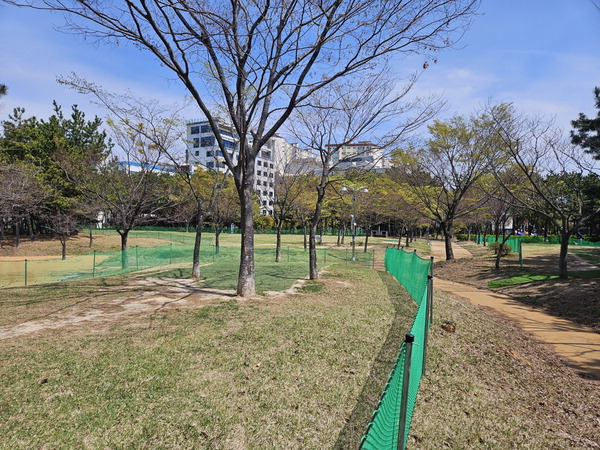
x=296, y=372
x=312, y=286
x=520, y=279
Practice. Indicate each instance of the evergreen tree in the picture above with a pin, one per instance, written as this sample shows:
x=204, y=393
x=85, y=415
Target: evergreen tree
x=587, y=131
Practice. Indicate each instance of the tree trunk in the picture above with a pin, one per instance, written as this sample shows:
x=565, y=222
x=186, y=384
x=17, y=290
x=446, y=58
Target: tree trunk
x=407, y=244
x=124, y=256
x=312, y=248
x=339, y=235
x=469, y=233
x=447, y=233
x=1, y=231
x=63, y=242
x=485, y=233
x=563, y=271
x=17, y=234
x=30, y=228
x=91, y=237
x=343, y=233
x=399, y=238
x=197, y=242
x=305, y=238
x=278, y=244
x=246, y=286
x=366, y=241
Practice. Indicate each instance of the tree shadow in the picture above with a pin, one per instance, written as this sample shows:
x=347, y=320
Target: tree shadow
x=404, y=311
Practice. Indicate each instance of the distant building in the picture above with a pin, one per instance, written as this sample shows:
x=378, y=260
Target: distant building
x=363, y=155
x=135, y=167
x=203, y=150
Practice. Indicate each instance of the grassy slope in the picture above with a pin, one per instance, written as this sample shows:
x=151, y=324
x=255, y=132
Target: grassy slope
x=492, y=386
x=267, y=373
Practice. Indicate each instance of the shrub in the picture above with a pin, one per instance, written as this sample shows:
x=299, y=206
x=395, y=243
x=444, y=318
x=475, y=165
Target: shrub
x=505, y=249
x=462, y=237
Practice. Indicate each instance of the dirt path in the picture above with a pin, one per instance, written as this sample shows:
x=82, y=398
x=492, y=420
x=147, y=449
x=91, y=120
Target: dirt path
x=173, y=294
x=577, y=343
x=438, y=251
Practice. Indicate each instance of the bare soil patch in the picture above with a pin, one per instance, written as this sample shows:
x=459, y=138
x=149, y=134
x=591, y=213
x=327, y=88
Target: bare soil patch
x=147, y=296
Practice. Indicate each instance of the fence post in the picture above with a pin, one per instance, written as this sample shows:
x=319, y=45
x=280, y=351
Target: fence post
x=409, y=339
x=428, y=309
x=25, y=272
x=94, y=265
x=520, y=253
x=431, y=292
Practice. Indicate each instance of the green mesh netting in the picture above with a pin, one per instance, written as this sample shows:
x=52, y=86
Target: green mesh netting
x=221, y=272
x=382, y=432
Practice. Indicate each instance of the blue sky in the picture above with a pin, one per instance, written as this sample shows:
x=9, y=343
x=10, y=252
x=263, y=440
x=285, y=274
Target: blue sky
x=542, y=55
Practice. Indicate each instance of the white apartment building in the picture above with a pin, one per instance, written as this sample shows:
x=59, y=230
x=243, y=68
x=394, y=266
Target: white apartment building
x=361, y=155
x=203, y=150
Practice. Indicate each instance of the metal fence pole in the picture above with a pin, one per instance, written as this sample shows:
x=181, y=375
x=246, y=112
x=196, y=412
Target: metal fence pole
x=520, y=253
x=94, y=265
x=428, y=299
x=25, y=272
x=431, y=292
x=409, y=339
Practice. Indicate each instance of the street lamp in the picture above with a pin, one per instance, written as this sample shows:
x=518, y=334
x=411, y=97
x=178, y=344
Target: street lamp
x=354, y=189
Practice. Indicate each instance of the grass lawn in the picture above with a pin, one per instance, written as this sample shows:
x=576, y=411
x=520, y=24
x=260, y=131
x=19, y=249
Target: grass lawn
x=491, y=386
x=300, y=371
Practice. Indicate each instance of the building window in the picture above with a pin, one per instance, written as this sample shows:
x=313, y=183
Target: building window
x=229, y=144
x=270, y=175
x=211, y=164
x=226, y=133
x=209, y=153
x=271, y=184
x=196, y=143
x=270, y=202
x=270, y=194
x=195, y=129
x=197, y=153
x=205, y=129
x=258, y=173
x=271, y=165
x=264, y=183
x=265, y=202
x=258, y=163
x=207, y=141
x=264, y=192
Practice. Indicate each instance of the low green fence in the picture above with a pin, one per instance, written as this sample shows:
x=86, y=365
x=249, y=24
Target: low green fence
x=514, y=242
x=227, y=230
x=99, y=264
x=390, y=423
x=557, y=240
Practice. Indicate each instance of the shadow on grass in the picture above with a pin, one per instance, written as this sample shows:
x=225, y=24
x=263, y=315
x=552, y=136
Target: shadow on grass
x=404, y=311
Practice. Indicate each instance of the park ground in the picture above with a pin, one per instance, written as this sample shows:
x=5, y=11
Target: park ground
x=152, y=359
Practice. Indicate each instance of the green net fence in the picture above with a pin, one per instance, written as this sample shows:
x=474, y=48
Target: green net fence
x=222, y=264
x=383, y=432
x=514, y=242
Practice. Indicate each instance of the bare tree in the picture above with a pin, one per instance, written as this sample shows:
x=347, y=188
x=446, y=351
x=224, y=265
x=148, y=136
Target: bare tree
x=22, y=194
x=441, y=174
x=263, y=58
x=345, y=112
x=554, y=172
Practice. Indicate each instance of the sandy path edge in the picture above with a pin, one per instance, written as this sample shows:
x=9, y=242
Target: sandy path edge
x=577, y=343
